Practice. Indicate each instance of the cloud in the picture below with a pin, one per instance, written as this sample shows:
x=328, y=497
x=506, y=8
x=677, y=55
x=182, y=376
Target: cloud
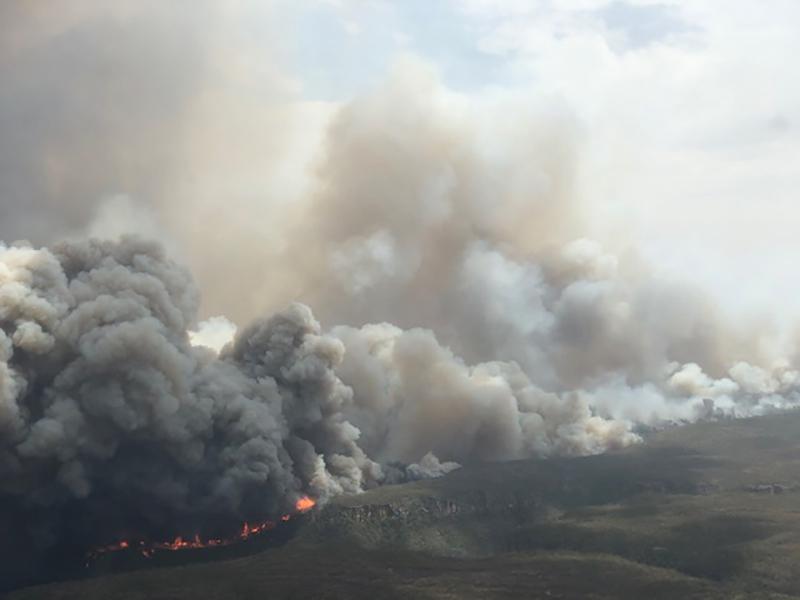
x=642, y=25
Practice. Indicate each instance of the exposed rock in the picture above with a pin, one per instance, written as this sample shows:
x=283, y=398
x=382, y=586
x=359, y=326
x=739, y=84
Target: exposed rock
x=769, y=488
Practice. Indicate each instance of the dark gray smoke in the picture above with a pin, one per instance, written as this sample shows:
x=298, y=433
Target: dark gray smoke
x=110, y=415
x=101, y=390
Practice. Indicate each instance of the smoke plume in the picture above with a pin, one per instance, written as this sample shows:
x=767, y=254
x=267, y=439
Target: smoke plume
x=469, y=312
x=110, y=416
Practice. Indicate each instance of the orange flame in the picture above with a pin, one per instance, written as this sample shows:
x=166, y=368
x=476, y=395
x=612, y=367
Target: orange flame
x=303, y=505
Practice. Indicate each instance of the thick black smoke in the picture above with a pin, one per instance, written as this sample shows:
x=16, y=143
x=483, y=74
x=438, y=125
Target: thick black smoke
x=107, y=411
x=112, y=424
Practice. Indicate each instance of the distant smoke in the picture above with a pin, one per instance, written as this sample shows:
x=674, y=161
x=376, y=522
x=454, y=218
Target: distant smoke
x=412, y=394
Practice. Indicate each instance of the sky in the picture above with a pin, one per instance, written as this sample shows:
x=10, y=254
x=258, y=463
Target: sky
x=685, y=113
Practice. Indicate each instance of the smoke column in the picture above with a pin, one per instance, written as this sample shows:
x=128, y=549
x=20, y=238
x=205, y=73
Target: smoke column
x=113, y=423
x=469, y=314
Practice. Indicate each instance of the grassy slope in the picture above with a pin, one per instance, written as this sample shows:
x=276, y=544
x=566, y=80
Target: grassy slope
x=670, y=519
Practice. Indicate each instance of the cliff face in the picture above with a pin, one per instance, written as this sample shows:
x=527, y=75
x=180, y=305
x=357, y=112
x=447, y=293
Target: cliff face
x=476, y=523
x=509, y=507
x=424, y=509
x=683, y=501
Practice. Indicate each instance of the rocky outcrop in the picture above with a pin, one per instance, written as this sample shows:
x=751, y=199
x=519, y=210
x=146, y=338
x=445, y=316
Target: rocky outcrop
x=422, y=509
x=462, y=524
x=770, y=488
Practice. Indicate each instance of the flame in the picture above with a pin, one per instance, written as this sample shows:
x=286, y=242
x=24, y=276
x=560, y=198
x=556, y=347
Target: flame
x=304, y=504
x=147, y=549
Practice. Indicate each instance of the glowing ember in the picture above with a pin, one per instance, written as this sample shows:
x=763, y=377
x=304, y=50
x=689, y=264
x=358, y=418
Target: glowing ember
x=304, y=504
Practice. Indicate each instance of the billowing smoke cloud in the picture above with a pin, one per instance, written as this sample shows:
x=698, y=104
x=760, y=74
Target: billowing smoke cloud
x=427, y=215
x=412, y=393
x=110, y=415
x=469, y=315
x=102, y=389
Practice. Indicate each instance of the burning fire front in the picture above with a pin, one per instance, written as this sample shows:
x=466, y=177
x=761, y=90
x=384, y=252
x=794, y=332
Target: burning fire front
x=248, y=530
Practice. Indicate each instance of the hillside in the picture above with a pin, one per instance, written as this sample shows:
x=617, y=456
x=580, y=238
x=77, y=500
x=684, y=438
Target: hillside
x=701, y=511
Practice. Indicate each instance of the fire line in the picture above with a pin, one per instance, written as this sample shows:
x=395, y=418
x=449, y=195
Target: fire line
x=147, y=549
